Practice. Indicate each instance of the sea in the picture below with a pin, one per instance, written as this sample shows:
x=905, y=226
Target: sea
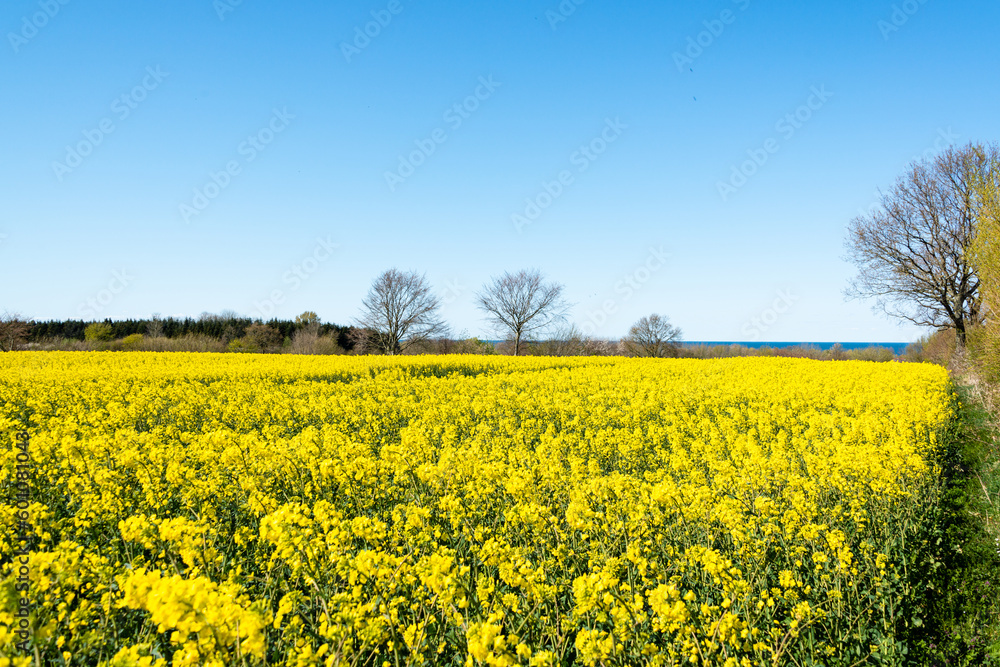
x=897, y=348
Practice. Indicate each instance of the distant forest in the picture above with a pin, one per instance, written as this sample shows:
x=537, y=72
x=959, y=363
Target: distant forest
x=217, y=327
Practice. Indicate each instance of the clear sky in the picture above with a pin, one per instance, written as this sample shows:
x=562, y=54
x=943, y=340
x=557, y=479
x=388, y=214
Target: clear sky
x=700, y=160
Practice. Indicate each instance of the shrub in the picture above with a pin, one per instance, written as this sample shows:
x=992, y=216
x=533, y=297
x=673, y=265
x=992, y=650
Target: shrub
x=262, y=338
x=936, y=348
x=984, y=346
x=837, y=352
x=872, y=353
x=307, y=341
x=187, y=343
x=133, y=342
x=98, y=332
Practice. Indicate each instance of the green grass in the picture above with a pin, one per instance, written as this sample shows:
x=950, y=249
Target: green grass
x=956, y=589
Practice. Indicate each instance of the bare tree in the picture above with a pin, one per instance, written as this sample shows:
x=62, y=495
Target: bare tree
x=360, y=340
x=522, y=304
x=912, y=252
x=154, y=327
x=400, y=310
x=652, y=336
x=13, y=332
x=221, y=316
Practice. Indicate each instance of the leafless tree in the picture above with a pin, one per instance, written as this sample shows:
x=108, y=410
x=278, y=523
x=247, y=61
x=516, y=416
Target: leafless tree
x=912, y=251
x=154, y=327
x=400, y=310
x=221, y=316
x=13, y=331
x=566, y=341
x=360, y=340
x=522, y=304
x=652, y=336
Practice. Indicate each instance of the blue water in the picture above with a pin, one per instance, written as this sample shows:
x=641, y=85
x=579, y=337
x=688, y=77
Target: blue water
x=897, y=348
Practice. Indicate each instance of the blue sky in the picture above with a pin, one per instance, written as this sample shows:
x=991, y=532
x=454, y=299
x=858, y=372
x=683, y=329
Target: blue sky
x=270, y=158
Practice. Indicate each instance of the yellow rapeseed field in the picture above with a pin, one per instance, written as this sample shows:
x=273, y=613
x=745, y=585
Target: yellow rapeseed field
x=251, y=509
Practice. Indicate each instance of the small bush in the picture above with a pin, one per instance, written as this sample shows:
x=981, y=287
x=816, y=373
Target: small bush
x=98, y=332
x=307, y=341
x=872, y=353
x=837, y=352
x=133, y=342
x=473, y=346
x=259, y=338
x=62, y=344
x=936, y=348
x=188, y=343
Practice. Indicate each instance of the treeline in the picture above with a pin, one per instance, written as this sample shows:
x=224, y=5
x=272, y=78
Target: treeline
x=224, y=329
x=307, y=335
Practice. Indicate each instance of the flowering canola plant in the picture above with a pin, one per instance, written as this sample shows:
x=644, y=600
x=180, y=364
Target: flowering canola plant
x=197, y=509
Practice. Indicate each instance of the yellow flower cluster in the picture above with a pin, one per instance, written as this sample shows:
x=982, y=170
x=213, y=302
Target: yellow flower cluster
x=202, y=616
x=245, y=509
